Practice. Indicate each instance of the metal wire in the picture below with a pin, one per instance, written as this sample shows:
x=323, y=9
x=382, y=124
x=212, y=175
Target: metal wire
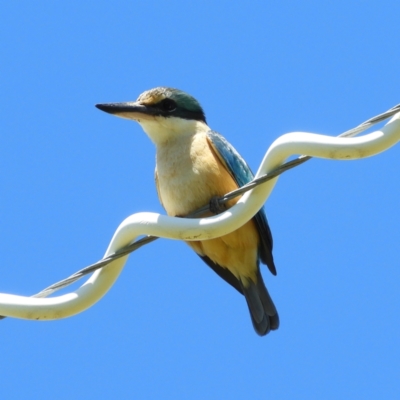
x=220, y=201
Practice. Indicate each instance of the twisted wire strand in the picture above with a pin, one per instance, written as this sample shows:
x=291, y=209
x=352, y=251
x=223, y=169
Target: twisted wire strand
x=147, y=223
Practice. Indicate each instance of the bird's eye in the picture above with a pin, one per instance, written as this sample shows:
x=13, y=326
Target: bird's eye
x=168, y=105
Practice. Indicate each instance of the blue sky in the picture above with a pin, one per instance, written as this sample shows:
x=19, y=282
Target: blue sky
x=170, y=328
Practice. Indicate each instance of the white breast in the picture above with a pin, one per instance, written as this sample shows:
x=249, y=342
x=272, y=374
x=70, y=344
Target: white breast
x=185, y=168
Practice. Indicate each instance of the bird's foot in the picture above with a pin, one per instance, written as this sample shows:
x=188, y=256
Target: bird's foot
x=215, y=206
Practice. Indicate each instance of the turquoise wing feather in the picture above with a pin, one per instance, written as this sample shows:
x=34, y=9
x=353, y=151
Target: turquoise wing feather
x=242, y=174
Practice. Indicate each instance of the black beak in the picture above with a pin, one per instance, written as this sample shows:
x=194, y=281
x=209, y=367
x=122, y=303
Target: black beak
x=129, y=110
x=118, y=108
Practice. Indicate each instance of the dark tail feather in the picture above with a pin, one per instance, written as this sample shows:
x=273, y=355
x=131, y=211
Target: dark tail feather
x=262, y=309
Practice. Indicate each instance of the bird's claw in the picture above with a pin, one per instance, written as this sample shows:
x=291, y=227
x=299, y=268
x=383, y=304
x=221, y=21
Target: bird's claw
x=215, y=206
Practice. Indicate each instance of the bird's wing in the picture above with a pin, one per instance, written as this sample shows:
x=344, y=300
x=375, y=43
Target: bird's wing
x=242, y=174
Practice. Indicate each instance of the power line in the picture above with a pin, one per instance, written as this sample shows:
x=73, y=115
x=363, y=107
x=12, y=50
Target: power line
x=216, y=202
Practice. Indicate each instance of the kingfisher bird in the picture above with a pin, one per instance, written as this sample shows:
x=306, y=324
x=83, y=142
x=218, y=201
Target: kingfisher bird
x=194, y=165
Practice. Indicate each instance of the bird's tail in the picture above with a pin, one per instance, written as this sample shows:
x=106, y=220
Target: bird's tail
x=262, y=309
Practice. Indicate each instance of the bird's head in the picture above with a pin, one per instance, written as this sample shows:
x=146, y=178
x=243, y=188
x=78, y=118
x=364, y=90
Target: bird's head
x=164, y=113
